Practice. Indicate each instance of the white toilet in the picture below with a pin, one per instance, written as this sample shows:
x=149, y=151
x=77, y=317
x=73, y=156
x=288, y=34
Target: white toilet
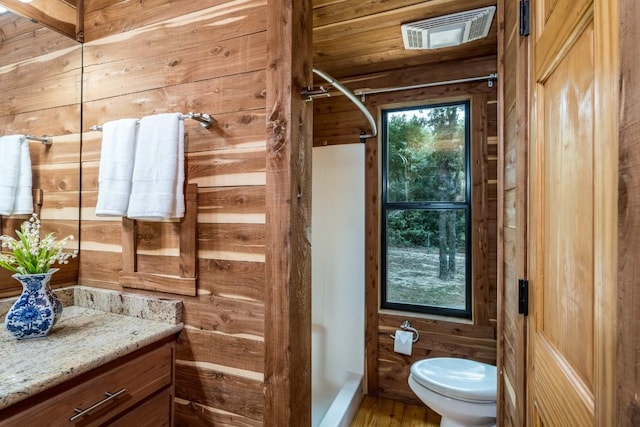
x=462, y=391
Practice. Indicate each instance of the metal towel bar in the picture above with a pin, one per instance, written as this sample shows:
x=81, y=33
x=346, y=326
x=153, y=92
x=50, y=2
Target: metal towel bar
x=46, y=140
x=205, y=120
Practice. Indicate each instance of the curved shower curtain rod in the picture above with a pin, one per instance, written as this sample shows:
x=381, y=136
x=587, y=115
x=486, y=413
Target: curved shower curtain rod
x=346, y=92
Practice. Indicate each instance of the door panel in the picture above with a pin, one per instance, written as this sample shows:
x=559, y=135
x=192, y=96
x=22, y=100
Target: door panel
x=574, y=406
x=567, y=288
x=548, y=7
x=573, y=116
x=563, y=335
x=556, y=33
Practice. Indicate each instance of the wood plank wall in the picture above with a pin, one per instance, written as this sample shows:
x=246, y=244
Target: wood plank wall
x=513, y=230
x=40, y=79
x=161, y=56
x=288, y=215
x=337, y=121
x=628, y=354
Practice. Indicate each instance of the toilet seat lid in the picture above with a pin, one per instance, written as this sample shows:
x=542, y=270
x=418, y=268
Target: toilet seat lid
x=461, y=379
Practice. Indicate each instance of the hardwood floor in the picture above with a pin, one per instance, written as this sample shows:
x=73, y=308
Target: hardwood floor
x=374, y=412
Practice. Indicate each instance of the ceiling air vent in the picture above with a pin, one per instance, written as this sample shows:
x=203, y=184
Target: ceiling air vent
x=448, y=30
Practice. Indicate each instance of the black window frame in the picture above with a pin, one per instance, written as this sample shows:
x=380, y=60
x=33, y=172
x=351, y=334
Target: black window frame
x=427, y=206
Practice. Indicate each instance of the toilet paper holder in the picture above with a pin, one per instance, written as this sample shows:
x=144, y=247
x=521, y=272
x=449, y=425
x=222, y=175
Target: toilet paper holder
x=406, y=326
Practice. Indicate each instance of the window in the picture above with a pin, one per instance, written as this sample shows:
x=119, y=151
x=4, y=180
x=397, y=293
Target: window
x=426, y=209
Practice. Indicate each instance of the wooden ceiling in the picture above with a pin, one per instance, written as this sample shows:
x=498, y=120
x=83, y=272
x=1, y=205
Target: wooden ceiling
x=350, y=37
x=360, y=37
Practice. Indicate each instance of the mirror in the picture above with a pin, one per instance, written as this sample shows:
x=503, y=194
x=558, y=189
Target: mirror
x=41, y=80
x=59, y=15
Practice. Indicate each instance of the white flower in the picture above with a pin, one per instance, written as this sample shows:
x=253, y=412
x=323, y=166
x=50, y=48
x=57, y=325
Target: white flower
x=30, y=254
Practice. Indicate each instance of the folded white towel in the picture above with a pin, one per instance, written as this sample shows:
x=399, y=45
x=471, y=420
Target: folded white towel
x=158, y=173
x=24, y=191
x=15, y=172
x=116, y=167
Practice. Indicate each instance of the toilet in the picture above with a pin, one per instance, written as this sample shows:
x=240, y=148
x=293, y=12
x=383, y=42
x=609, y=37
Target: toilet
x=462, y=391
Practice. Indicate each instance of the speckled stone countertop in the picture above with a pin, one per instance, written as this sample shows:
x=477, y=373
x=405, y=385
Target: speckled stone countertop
x=99, y=327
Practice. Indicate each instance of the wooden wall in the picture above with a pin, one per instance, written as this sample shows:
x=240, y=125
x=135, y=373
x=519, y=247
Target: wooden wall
x=628, y=355
x=337, y=121
x=159, y=56
x=287, y=372
x=40, y=80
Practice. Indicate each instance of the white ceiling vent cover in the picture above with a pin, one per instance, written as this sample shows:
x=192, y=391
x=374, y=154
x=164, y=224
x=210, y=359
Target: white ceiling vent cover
x=448, y=30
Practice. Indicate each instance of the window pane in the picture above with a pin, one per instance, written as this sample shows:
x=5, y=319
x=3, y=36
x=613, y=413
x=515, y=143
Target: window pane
x=426, y=154
x=426, y=257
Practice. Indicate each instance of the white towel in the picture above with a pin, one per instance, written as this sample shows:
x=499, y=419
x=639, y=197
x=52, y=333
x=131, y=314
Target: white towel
x=24, y=190
x=15, y=176
x=158, y=171
x=116, y=167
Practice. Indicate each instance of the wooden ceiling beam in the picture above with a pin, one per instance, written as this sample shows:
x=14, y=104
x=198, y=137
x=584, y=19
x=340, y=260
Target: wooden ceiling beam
x=383, y=62
x=424, y=73
x=58, y=15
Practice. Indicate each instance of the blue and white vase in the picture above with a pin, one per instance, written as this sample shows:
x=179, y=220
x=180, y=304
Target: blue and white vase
x=36, y=310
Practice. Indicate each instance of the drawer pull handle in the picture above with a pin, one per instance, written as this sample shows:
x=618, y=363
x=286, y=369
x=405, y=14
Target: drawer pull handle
x=83, y=412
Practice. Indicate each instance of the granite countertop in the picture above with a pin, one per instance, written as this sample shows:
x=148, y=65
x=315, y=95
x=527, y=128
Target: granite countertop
x=99, y=327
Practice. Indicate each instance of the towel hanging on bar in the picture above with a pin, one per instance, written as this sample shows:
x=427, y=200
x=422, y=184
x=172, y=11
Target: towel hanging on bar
x=116, y=167
x=15, y=176
x=157, y=189
x=205, y=120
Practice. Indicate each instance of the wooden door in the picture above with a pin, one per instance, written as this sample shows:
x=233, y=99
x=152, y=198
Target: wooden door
x=573, y=187
x=512, y=261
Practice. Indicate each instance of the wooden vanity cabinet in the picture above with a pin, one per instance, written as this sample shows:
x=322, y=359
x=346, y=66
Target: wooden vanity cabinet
x=135, y=390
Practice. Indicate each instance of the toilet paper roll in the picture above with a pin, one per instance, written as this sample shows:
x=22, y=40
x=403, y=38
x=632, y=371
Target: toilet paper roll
x=403, y=342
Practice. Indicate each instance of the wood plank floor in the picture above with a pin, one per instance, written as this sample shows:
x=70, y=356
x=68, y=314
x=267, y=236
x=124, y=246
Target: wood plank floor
x=374, y=412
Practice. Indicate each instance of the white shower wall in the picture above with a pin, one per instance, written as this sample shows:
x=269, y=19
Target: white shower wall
x=337, y=272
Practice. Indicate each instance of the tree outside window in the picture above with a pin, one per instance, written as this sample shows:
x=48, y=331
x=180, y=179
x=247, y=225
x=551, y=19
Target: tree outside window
x=426, y=209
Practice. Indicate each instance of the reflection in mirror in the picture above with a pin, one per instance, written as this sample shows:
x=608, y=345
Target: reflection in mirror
x=59, y=15
x=40, y=77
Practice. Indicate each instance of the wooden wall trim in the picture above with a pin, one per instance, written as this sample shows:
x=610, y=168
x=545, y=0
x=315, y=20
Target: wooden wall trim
x=442, y=71
x=185, y=282
x=287, y=373
x=500, y=17
x=606, y=231
x=129, y=246
x=189, y=233
x=513, y=141
x=479, y=211
x=628, y=376
x=372, y=265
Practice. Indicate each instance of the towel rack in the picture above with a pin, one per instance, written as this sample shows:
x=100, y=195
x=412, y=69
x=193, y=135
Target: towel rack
x=205, y=120
x=46, y=140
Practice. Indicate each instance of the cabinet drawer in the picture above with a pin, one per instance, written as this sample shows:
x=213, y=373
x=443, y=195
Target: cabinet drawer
x=139, y=378
x=155, y=412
